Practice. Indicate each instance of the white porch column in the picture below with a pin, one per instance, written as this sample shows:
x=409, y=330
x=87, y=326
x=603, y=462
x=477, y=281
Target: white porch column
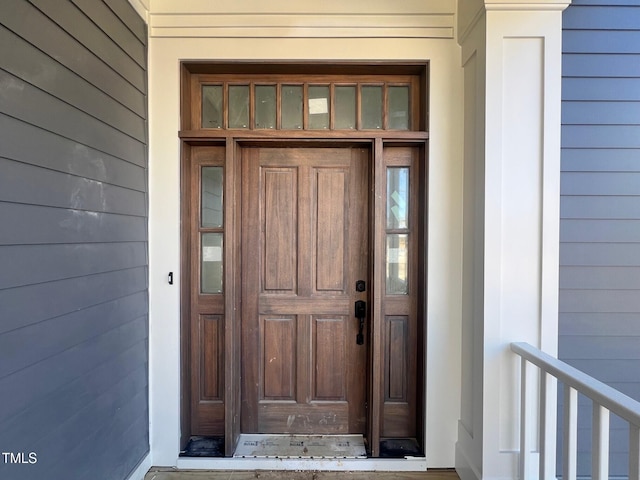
x=512, y=63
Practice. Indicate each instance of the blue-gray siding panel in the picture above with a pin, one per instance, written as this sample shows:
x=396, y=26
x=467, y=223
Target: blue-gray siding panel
x=604, y=17
x=115, y=28
x=600, y=278
x=600, y=160
x=57, y=225
x=600, y=65
x=600, y=254
x=48, y=150
x=598, y=324
x=20, y=100
x=599, y=298
x=130, y=18
x=73, y=246
x=54, y=336
x=601, y=113
x=19, y=390
x=592, y=89
x=82, y=28
x=26, y=62
x=601, y=183
x=24, y=183
x=604, y=207
x=32, y=264
x=623, y=231
x=28, y=22
x=606, y=41
x=49, y=412
x=36, y=303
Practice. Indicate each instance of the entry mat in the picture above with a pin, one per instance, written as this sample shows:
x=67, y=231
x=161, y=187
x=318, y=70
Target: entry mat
x=300, y=446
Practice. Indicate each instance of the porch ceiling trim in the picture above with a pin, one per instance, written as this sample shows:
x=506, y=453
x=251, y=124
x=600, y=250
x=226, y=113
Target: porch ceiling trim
x=232, y=25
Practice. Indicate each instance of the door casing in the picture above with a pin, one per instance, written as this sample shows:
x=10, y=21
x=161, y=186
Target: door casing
x=387, y=149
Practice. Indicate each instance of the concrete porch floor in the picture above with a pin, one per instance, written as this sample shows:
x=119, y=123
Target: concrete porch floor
x=173, y=474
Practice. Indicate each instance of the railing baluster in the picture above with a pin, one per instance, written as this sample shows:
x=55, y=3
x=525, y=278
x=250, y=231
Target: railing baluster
x=606, y=400
x=570, y=443
x=525, y=422
x=548, y=418
x=634, y=452
x=600, y=443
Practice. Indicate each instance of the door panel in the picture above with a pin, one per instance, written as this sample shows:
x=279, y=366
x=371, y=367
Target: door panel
x=305, y=244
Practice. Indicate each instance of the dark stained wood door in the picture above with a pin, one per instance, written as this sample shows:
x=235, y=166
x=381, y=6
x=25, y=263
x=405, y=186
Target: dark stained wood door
x=304, y=247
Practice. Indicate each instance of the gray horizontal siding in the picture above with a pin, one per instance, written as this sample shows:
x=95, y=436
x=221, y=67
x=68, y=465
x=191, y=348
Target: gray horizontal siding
x=600, y=65
x=57, y=225
x=73, y=247
x=599, y=302
x=599, y=324
x=599, y=160
x=28, y=22
x=32, y=105
x=53, y=152
x=600, y=255
x=601, y=113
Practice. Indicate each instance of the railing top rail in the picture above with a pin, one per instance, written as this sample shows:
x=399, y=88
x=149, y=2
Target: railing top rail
x=602, y=394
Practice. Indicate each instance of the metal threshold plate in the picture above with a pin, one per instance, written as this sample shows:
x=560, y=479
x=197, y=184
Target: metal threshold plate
x=300, y=446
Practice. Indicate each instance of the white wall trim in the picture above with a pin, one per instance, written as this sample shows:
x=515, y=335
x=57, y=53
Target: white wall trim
x=528, y=7
x=445, y=192
x=142, y=468
x=231, y=25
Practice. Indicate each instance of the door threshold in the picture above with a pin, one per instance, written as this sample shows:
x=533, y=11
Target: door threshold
x=407, y=464
x=300, y=446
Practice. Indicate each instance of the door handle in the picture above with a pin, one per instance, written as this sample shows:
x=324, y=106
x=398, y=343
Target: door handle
x=360, y=314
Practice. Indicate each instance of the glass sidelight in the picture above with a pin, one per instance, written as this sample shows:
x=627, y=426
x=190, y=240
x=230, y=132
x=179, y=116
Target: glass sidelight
x=211, y=229
x=397, y=248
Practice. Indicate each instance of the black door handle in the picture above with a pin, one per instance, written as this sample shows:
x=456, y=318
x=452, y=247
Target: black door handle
x=360, y=314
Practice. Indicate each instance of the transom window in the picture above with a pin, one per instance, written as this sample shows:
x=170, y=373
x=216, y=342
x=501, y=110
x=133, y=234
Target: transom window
x=322, y=103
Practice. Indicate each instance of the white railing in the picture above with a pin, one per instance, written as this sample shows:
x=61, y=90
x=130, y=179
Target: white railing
x=605, y=400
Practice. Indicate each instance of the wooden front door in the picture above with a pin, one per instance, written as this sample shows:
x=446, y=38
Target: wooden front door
x=304, y=246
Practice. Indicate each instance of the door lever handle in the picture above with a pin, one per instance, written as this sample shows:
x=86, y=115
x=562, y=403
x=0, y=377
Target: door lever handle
x=360, y=314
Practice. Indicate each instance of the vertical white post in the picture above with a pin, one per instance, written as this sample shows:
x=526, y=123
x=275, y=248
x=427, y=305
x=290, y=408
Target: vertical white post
x=600, y=443
x=570, y=434
x=634, y=452
x=548, y=423
x=525, y=422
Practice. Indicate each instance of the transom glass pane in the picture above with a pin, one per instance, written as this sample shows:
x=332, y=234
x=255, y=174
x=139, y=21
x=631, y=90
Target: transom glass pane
x=292, y=112
x=211, y=263
x=212, y=197
x=397, y=264
x=238, y=106
x=399, y=108
x=265, y=106
x=345, y=105
x=371, y=107
x=212, y=106
x=319, y=107
x=397, y=197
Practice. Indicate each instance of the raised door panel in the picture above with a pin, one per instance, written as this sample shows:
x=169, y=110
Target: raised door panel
x=303, y=216
x=278, y=372
x=279, y=218
x=331, y=221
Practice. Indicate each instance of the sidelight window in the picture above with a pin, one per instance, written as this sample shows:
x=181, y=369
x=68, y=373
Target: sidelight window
x=211, y=229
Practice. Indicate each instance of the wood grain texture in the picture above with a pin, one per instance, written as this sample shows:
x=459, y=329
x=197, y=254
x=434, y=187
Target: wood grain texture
x=312, y=352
